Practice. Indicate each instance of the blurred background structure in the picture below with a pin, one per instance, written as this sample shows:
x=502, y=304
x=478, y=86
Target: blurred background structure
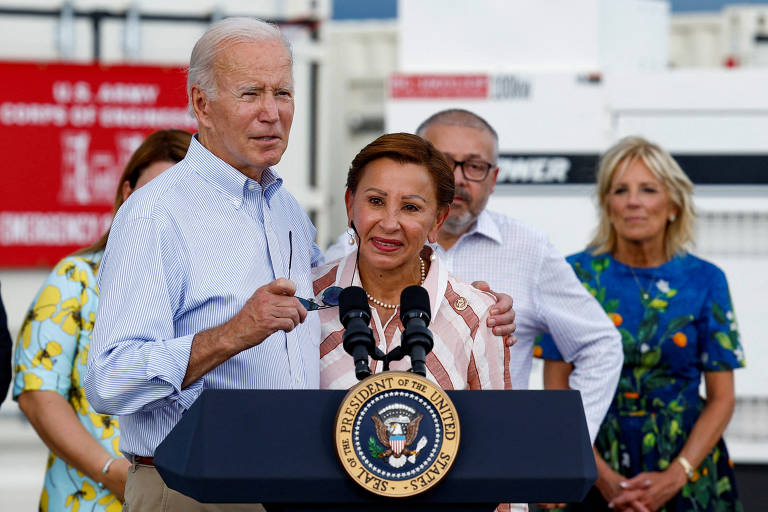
x=561, y=80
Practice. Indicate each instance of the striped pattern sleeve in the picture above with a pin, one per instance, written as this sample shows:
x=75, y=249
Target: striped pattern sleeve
x=136, y=362
x=583, y=334
x=462, y=318
x=491, y=356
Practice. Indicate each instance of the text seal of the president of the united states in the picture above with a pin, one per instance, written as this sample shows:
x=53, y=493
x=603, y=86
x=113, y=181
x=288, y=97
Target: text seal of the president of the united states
x=397, y=434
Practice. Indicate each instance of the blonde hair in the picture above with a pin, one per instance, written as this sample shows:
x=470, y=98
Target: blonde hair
x=679, y=235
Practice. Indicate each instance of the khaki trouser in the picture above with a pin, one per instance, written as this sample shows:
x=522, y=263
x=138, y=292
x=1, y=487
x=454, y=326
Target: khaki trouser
x=145, y=491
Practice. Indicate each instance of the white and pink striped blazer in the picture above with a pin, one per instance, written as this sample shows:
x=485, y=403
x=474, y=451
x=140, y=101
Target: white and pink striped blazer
x=466, y=355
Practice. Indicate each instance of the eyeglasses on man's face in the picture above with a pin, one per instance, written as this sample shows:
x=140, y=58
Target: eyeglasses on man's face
x=473, y=169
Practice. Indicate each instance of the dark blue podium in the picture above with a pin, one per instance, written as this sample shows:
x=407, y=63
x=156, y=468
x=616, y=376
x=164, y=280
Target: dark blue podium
x=277, y=448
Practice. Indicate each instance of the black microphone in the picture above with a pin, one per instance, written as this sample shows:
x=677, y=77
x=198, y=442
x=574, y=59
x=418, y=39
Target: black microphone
x=355, y=315
x=415, y=315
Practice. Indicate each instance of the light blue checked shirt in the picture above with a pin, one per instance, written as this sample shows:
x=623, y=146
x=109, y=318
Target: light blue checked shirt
x=184, y=254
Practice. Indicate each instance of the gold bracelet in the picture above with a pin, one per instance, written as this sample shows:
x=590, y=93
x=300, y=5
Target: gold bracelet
x=689, y=472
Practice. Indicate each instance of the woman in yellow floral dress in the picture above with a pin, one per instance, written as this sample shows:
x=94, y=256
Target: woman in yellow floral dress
x=85, y=468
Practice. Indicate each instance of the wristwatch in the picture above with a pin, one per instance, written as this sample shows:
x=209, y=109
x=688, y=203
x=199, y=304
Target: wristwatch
x=689, y=472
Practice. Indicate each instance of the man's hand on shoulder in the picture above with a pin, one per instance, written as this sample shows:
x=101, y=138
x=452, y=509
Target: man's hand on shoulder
x=502, y=318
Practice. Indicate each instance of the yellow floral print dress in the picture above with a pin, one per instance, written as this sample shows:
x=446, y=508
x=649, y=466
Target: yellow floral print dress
x=51, y=354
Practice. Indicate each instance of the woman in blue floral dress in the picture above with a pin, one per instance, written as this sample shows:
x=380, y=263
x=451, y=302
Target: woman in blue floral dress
x=660, y=446
x=85, y=469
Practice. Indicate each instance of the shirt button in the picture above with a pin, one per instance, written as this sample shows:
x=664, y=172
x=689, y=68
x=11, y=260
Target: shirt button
x=298, y=379
x=236, y=203
x=251, y=187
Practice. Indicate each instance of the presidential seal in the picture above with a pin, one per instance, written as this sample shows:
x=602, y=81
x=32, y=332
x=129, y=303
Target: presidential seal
x=397, y=434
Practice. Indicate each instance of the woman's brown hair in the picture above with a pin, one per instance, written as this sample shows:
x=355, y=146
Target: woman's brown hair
x=163, y=145
x=406, y=148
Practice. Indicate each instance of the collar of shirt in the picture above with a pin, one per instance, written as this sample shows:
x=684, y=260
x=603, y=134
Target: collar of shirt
x=226, y=179
x=487, y=227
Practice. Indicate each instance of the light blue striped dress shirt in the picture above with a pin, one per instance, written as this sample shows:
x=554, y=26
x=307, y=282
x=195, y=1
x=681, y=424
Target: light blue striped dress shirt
x=184, y=254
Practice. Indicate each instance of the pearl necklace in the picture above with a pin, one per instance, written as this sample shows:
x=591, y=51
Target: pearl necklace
x=384, y=305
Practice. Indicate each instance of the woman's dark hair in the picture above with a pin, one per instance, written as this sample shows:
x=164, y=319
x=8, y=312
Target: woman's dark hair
x=163, y=145
x=406, y=148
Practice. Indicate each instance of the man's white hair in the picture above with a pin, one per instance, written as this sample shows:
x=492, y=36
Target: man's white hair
x=219, y=36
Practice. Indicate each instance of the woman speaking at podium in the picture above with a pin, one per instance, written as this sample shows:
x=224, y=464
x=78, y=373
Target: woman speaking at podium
x=399, y=191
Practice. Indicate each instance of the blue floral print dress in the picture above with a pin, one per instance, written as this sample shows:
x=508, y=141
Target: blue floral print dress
x=676, y=321
x=51, y=354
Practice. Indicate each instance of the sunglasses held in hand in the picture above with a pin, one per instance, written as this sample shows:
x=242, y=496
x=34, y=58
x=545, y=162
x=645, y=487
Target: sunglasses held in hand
x=330, y=298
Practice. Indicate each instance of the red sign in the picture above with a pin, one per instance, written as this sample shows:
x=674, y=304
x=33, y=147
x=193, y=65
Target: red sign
x=438, y=86
x=66, y=133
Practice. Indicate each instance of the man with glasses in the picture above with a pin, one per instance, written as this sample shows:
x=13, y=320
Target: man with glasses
x=478, y=244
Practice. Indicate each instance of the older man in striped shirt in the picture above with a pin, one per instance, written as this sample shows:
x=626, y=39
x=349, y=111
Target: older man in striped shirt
x=194, y=288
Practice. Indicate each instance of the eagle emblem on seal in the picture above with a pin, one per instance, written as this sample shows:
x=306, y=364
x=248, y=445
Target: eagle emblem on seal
x=397, y=427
